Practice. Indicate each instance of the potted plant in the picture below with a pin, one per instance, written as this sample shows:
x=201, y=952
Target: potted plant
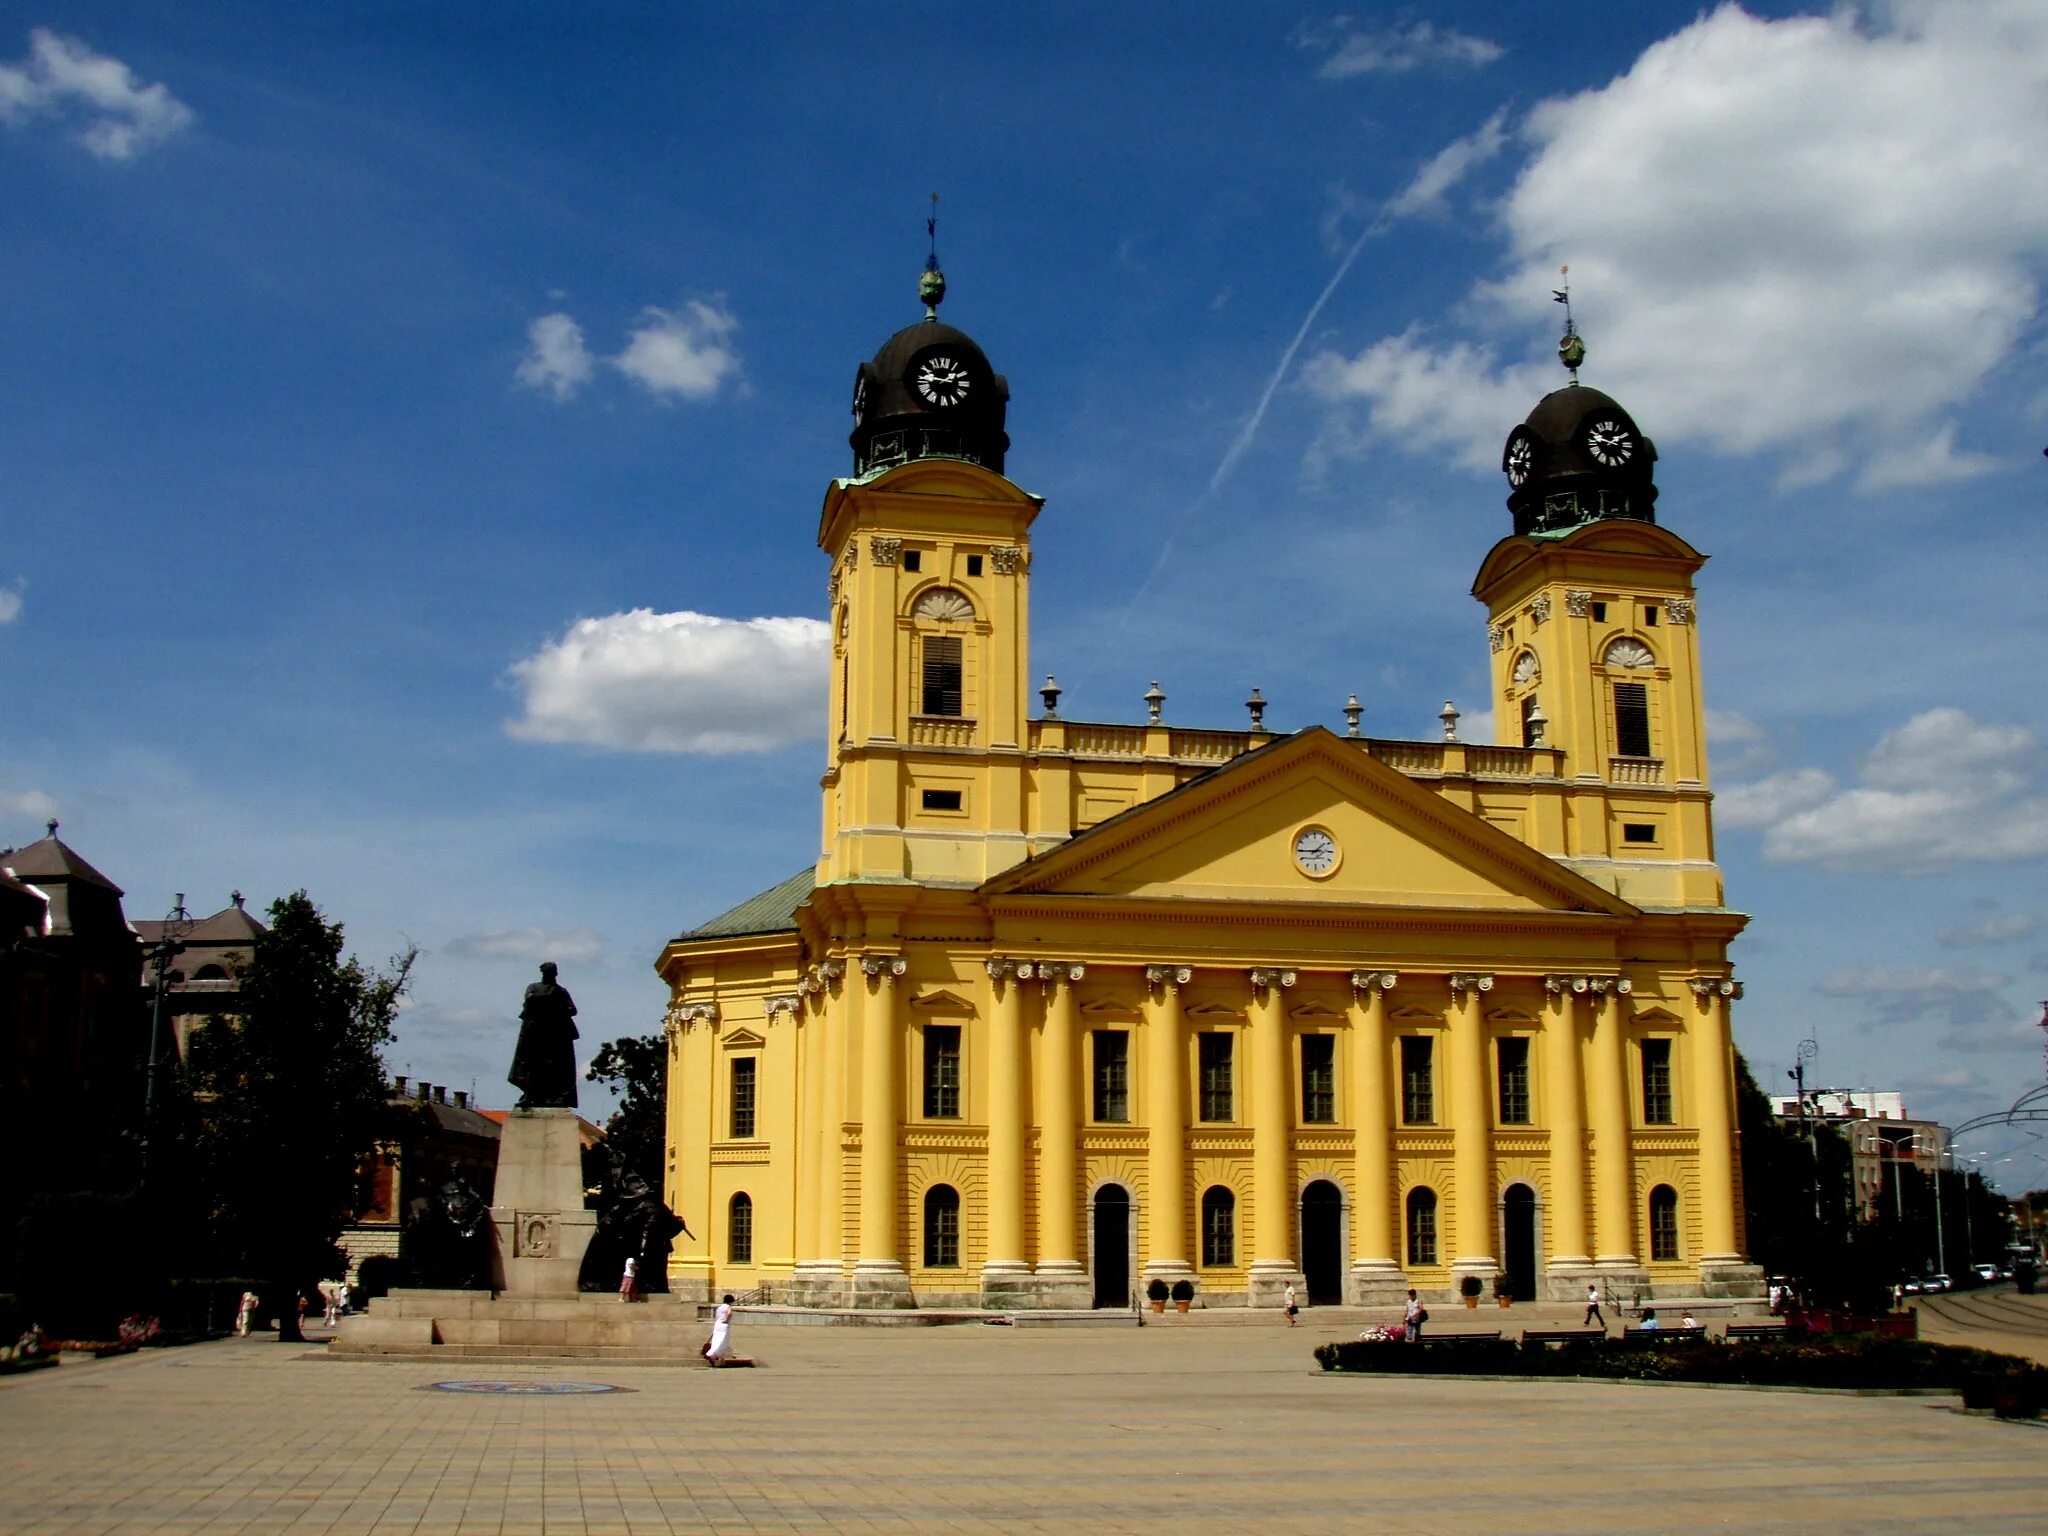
x=1183, y=1294
x=1469, y=1288
x=1156, y=1293
x=1502, y=1291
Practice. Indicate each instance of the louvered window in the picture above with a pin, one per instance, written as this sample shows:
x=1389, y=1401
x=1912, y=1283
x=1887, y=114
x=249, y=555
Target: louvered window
x=1631, y=719
x=942, y=668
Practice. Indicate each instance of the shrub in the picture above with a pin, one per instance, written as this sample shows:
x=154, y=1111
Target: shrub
x=1469, y=1286
x=1156, y=1291
x=1183, y=1290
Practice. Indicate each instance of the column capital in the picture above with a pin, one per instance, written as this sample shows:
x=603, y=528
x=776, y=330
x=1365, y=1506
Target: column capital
x=781, y=1002
x=999, y=966
x=1374, y=981
x=1173, y=976
x=1705, y=987
x=819, y=978
x=886, y=967
x=683, y=1017
x=1471, y=981
x=1051, y=970
x=1597, y=986
x=1265, y=978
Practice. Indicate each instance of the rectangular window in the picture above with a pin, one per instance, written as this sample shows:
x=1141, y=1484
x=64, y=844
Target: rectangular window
x=1112, y=1076
x=1631, y=719
x=1599, y=613
x=942, y=1071
x=1318, y=1079
x=942, y=668
x=1657, y=1082
x=1418, y=1088
x=974, y=565
x=1215, y=1051
x=743, y=1098
x=941, y=800
x=1649, y=616
x=913, y=560
x=1638, y=832
x=1514, y=1081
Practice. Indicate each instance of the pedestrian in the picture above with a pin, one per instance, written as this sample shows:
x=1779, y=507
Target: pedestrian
x=719, y=1345
x=1687, y=1320
x=1649, y=1323
x=330, y=1294
x=1413, y=1317
x=629, y=1286
x=1593, y=1312
x=244, y=1314
x=1291, y=1307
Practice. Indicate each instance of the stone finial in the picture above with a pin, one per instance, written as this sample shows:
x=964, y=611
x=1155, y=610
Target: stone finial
x=1538, y=723
x=1353, y=711
x=1050, y=693
x=1257, y=705
x=1155, y=701
x=1449, y=715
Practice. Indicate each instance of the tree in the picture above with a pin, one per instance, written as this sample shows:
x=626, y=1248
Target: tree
x=632, y=1153
x=1795, y=1194
x=637, y=1066
x=292, y=1099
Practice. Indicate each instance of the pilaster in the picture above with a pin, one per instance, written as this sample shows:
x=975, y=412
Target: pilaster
x=1376, y=1277
x=1472, y=1121
x=1166, y=1152
x=1273, y=1267
x=879, y=1279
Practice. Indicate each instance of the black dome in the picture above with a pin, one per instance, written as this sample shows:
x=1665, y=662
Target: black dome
x=1578, y=458
x=929, y=393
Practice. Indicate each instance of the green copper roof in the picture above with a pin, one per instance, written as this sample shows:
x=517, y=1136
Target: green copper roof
x=773, y=911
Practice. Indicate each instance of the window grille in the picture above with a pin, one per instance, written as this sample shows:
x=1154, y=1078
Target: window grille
x=1319, y=1079
x=743, y=1069
x=1657, y=1082
x=1418, y=1088
x=1112, y=1076
x=1216, y=1085
x=1514, y=1081
x=739, y=1230
x=1219, y=1228
x=942, y=1227
x=942, y=1071
x=1421, y=1226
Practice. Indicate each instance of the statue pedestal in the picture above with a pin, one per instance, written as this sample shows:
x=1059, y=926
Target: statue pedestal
x=538, y=1222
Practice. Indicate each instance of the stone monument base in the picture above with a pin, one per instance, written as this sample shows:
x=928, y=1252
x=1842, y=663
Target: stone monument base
x=483, y=1325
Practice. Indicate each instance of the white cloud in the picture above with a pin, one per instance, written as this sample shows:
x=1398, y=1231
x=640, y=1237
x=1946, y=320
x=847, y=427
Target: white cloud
x=1449, y=166
x=1997, y=928
x=677, y=682
x=1904, y=995
x=1738, y=744
x=117, y=116
x=1394, y=50
x=1771, y=255
x=1770, y=800
x=10, y=600
x=687, y=352
x=569, y=946
x=27, y=802
x=1942, y=790
x=557, y=359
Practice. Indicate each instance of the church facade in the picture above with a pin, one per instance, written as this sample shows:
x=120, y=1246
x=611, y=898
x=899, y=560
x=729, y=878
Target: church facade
x=1065, y=1007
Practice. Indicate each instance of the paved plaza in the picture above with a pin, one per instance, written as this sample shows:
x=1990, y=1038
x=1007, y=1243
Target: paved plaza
x=975, y=1428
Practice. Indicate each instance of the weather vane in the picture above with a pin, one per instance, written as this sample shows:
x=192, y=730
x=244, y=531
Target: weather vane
x=1571, y=347
x=931, y=287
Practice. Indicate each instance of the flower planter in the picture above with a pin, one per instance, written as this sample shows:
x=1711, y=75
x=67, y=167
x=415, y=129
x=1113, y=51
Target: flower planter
x=1472, y=1303
x=1505, y=1301
x=1158, y=1306
x=1182, y=1306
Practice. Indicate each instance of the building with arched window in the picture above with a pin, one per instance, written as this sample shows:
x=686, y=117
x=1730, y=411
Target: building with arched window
x=1066, y=1006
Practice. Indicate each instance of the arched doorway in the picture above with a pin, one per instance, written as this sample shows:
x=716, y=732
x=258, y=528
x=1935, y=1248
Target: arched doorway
x=1322, y=1242
x=1518, y=1241
x=1110, y=1245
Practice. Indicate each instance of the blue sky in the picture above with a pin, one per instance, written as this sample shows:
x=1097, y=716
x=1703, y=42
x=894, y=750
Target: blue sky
x=378, y=384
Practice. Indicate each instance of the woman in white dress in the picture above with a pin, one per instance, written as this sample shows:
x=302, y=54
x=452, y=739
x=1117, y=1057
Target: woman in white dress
x=720, y=1347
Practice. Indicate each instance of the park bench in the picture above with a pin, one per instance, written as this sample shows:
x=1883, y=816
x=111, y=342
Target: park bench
x=1563, y=1335
x=1756, y=1330
x=1459, y=1338
x=1663, y=1335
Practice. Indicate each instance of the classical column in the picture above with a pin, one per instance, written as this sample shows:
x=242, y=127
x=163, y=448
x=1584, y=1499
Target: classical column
x=1713, y=1071
x=879, y=1279
x=1166, y=1152
x=817, y=1155
x=1272, y=1233
x=1376, y=1275
x=1564, y=1106
x=1007, y=1075
x=1472, y=1130
x=1614, y=1177
x=1063, y=1281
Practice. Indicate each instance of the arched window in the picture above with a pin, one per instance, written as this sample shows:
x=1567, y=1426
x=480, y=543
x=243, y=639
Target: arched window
x=1663, y=1224
x=942, y=1227
x=942, y=616
x=1421, y=1226
x=1219, y=1227
x=1631, y=700
x=739, y=1229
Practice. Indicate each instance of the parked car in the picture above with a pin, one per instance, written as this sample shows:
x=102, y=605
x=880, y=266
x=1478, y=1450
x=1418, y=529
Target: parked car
x=1937, y=1283
x=1988, y=1273
x=1913, y=1287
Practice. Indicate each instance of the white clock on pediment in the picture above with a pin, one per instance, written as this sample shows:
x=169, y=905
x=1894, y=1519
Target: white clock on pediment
x=1315, y=851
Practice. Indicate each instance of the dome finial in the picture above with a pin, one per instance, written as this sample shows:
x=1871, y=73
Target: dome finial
x=1571, y=347
x=931, y=287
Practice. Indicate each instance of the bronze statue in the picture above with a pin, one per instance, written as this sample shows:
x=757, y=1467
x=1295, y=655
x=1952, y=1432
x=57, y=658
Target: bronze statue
x=544, y=1062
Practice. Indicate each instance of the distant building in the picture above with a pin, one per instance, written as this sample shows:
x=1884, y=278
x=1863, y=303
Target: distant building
x=1881, y=1135
x=435, y=1140
x=204, y=978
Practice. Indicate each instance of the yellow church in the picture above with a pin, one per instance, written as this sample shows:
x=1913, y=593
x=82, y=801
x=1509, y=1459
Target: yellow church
x=1065, y=1007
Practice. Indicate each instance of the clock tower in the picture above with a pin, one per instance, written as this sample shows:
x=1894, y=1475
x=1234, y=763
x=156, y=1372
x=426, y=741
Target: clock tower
x=930, y=550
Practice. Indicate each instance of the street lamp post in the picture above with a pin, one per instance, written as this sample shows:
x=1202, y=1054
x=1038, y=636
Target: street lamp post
x=177, y=923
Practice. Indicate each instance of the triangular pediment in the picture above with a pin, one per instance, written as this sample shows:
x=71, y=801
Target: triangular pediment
x=1214, y=1011
x=942, y=1001
x=741, y=1038
x=1313, y=1011
x=1110, y=1008
x=1655, y=1015
x=1510, y=1016
x=1232, y=836
x=1418, y=1016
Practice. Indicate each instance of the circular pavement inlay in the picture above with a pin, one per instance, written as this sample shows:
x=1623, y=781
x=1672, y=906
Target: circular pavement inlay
x=525, y=1388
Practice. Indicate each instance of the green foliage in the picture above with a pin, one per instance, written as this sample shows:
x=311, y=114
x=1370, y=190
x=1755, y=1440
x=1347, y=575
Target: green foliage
x=291, y=1100
x=1470, y=1286
x=637, y=1066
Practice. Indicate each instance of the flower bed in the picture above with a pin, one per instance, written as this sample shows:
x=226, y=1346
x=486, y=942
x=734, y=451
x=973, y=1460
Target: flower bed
x=2012, y=1387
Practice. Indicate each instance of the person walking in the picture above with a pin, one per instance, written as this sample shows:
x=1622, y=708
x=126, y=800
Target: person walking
x=629, y=1284
x=1291, y=1307
x=719, y=1346
x=244, y=1313
x=1593, y=1312
x=1413, y=1316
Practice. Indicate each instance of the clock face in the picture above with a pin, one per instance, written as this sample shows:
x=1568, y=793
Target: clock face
x=860, y=396
x=1521, y=458
x=940, y=379
x=1315, y=851
x=1610, y=442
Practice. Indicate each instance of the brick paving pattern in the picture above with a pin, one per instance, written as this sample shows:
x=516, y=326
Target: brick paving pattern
x=975, y=1428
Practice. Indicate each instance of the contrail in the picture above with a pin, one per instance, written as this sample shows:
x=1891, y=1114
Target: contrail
x=1250, y=430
